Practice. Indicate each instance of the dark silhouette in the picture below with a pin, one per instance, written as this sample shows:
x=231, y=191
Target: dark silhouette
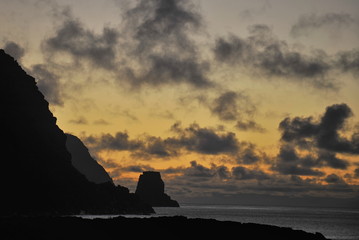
x=37, y=176
x=144, y=228
x=38, y=180
x=151, y=189
x=84, y=163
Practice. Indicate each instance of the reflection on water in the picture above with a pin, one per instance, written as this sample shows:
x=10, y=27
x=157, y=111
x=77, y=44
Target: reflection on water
x=333, y=223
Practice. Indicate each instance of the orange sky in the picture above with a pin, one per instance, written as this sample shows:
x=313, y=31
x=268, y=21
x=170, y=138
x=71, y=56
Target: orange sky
x=198, y=89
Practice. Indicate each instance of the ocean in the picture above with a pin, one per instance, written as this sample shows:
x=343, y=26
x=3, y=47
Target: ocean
x=333, y=223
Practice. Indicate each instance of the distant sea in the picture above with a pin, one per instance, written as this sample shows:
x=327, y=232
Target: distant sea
x=333, y=223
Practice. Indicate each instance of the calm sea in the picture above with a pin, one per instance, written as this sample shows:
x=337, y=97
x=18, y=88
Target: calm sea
x=333, y=223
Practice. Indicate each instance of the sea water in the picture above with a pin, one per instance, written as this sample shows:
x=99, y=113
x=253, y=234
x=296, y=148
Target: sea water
x=333, y=223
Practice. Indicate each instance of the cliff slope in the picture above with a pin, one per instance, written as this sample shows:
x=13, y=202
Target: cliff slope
x=37, y=176
x=84, y=163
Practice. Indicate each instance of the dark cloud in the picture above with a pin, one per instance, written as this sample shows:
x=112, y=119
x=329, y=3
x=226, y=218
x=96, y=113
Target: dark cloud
x=249, y=154
x=230, y=106
x=79, y=121
x=120, y=141
x=160, y=34
x=73, y=38
x=331, y=123
x=163, y=24
x=191, y=139
x=249, y=125
x=137, y=168
x=356, y=173
x=49, y=83
x=158, y=147
x=15, y=50
x=322, y=138
x=290, y=163
x=312, y=22
x=348, y=61
x=198, y=170
x=324, y=134
x=333, y=179
x=236, y=106
x=242, y=173
x=263, y=53
x=101, y=122
x=205, y=140
x=329, y=159
x=161, y=70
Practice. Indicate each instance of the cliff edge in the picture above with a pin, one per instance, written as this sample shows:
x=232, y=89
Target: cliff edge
x=84, y=163
x=37, y=176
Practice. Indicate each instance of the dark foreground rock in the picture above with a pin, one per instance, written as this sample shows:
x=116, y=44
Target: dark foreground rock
x=37, y=176
x=151, y=189
x=142, y=228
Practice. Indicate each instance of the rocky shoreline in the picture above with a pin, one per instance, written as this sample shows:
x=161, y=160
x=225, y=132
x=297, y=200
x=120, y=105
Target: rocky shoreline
x=143, y=228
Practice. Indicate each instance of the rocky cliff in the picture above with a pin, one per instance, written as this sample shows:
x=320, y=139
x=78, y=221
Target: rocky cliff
x=151, y=189
x=84, y=163
x=37, y=175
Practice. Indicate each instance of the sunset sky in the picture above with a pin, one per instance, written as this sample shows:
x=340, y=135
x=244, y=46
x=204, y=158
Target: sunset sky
x=225, y=98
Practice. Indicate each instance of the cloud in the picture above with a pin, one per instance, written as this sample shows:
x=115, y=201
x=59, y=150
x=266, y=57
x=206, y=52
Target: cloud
x=323, y=134
x=288, y=162
x=348, y=61
x=249, y=154
x=249, y=126
x=311, y=22
x=163, y=70
x=242, y=173
x=263, y=53
x=101, y=122
x=356, y=173
x=159, y=40
x=330, y=160
x=204, y=140
x=191, y=139
x=73, y=38
x=163, y=25
x=322, y=139
x=15, y=50
x=144, y=147
x=230, y=105
x=152, y=47
x=49, y=83
x=79, y=121
x=137, y=168
x=236, y=106
x=120, y=141
x=334, y=179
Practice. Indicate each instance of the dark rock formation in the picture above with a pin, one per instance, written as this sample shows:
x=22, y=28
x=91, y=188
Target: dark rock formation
x=151, y=189
x=144, y=228
x=84, y=163
x=37, y=176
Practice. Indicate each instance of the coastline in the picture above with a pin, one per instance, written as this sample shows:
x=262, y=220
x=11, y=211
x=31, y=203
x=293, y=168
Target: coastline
x=154, y=227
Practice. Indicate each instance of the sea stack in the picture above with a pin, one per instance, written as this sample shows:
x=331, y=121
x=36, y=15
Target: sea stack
x=151, y=189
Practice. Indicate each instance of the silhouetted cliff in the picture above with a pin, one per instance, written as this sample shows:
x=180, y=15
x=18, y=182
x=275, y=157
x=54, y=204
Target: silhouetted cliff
x=84, y=163
x=151, y=189
x=37, y=176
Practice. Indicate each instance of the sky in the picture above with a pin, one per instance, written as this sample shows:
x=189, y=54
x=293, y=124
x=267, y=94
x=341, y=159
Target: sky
x=233, y=101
